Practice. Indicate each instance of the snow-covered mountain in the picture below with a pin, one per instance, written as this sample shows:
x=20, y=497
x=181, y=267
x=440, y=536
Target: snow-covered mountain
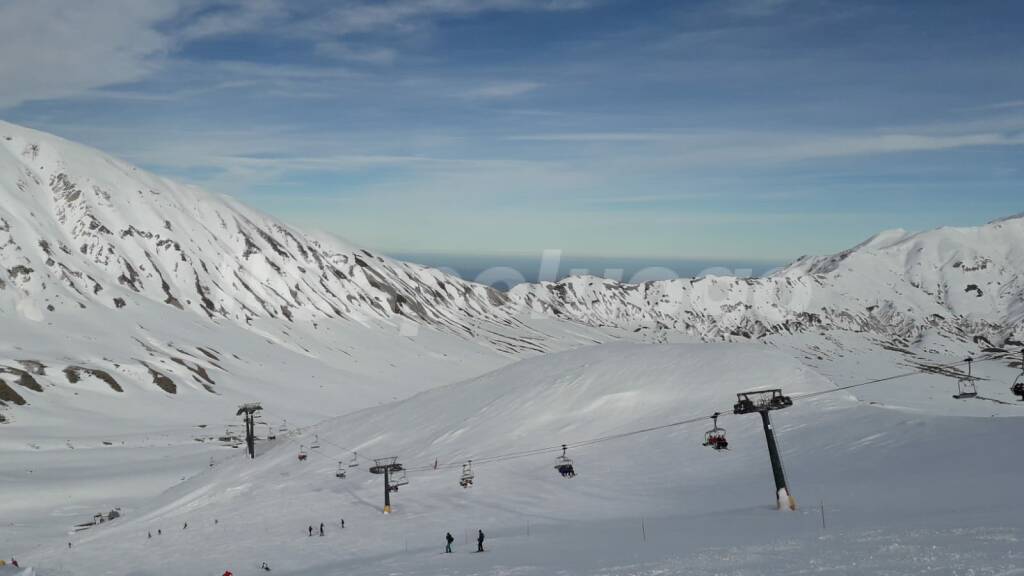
x=962, y=284
x=115, y=280
x=118, y=284
x=137, y=313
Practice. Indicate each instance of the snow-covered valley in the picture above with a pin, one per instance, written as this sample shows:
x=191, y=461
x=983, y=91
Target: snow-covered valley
x=138, y=313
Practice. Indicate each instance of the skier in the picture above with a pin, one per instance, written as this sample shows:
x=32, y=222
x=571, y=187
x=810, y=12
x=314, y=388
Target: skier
x=449, y=539
x=14, y=562
x=228, y=573
x=480, y=541
x=159, y=532
x=342, y=523
x=321, y=529
x=149, y=535
x=310, y=529
x=185, y=527
x=265, y=567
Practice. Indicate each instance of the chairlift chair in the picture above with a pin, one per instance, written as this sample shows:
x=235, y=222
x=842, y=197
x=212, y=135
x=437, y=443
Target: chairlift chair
x=564, y=465
x=354, y=462
x=302, y=453
x=467, y=475
x=965, y=386
x=270, y=433
x=316, y=442
x=715, y=438
x=341, y=473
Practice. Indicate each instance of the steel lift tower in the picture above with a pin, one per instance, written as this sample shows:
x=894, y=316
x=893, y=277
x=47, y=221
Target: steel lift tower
x=763, y=402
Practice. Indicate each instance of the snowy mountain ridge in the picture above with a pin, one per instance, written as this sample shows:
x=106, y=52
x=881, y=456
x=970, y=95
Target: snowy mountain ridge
x=965, y=284
x=115, y=280
x=81, y=228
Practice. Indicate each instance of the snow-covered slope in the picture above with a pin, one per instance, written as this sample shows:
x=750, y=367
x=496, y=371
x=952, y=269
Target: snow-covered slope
x=83, y=229
x=116, y=283
x=895, y=482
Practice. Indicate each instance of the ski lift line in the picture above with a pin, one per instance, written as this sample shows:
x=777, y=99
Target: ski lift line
x=929, y=370
x=354, y=452
x=610, y=437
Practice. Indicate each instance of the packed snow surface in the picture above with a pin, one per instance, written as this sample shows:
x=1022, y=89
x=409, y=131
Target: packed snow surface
x=895, y=484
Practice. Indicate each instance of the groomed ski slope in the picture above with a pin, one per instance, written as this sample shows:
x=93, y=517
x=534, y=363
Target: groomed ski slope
x=905, y=492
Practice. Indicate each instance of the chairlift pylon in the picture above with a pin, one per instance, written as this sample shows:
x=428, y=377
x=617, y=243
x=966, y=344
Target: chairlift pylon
x=715, y=438
x=965, y=388
x=467, y=474
x=564, y=464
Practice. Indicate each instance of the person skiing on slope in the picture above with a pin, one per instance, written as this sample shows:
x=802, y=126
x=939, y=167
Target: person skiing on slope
x=480, y=541
x=265, y=567
x=310, y=529
x=321, y=529
x=448, y=546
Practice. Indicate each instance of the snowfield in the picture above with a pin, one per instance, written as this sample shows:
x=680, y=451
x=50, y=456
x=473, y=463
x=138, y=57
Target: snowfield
x=138, y=313
x=904, y=492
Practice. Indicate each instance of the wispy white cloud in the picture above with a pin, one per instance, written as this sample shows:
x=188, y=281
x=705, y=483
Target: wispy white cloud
x=343, y=51
x=503, y=90
x=756, y=8
x=226, y=17
x=55, y=49
x=1008, y=105
x=359, y=16
x=596, y=137
x=730, y=146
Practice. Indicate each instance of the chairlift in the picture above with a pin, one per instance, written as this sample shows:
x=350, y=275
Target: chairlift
x=467, y=475
x=564, y=465
x=270, y=433
x=715, y=438
x=302, y=453
x=965, y=386
x=341, y=473
x=354, y=462
x=316, y=442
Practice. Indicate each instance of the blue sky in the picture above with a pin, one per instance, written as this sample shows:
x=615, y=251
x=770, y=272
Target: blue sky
x=754, y=129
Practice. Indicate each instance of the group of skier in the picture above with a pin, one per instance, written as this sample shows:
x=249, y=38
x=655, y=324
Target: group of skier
x=449, y=539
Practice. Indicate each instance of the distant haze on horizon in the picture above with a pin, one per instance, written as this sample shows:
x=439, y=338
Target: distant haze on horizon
x=656, y=131
x=504, y=271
